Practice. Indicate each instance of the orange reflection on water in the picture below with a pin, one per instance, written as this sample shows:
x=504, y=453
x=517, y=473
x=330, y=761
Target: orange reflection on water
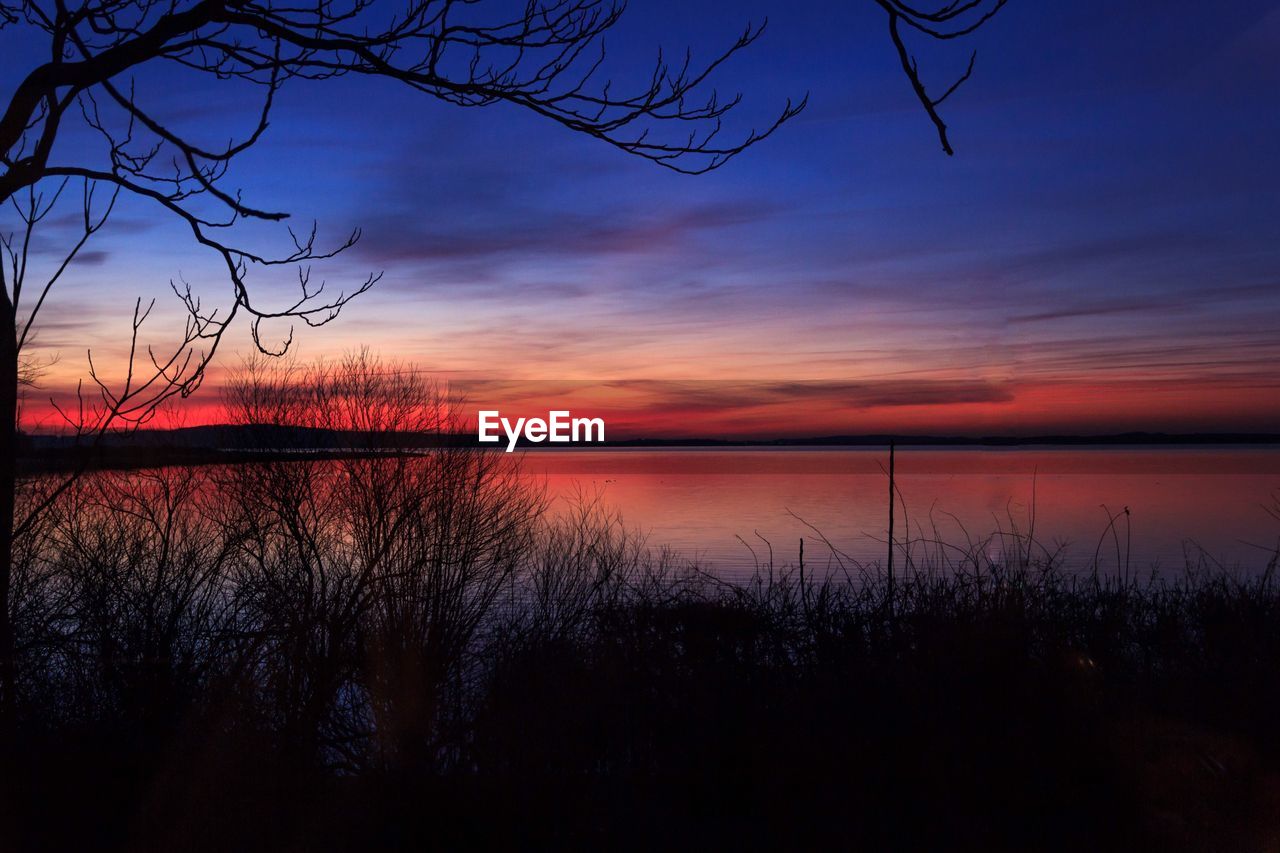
x=700, y=501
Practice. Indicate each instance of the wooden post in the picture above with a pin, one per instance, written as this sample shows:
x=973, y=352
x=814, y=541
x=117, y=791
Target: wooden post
x=891, y=499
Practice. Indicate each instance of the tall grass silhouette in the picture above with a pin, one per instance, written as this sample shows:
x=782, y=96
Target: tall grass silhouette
x=400, y=650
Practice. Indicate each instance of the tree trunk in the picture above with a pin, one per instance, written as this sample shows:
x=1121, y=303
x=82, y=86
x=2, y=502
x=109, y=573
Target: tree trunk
x=8, y=487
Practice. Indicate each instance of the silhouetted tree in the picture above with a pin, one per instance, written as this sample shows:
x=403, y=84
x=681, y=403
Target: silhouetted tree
x=376, y=569
x=543, y=56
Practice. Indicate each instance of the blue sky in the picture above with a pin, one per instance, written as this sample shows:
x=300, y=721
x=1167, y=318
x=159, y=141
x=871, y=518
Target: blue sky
x=1102, y=246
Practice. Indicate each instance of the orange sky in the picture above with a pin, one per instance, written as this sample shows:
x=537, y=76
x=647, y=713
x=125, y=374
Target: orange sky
x=752, y=409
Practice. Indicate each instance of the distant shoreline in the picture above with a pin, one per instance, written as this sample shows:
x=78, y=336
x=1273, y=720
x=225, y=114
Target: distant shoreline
x=231, y=445
x=268, y=437
x=1115, y=440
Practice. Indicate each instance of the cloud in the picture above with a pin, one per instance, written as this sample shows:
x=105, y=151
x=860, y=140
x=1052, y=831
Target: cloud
x=516, y=237
x=63, y=330
x=93, y=258
x=1083, y=311
x=499, y=214
x=720, y=396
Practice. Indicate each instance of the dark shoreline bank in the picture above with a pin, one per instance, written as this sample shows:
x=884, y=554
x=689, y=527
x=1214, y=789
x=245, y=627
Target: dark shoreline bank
x=216, y=445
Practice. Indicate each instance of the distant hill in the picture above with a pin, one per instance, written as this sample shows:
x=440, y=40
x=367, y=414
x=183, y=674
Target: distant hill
x=259, y=438
x=254, y=437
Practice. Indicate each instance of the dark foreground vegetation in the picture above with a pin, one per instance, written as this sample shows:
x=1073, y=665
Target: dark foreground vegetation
x=295, y=656
x=413, y=653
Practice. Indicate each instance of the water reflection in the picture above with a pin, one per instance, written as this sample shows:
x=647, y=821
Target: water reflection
x=701, y=501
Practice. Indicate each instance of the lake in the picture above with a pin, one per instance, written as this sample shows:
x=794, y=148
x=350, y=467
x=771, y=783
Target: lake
x=1183, y=502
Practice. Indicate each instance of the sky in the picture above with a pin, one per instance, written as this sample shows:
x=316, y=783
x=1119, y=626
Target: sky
x=1100, y=255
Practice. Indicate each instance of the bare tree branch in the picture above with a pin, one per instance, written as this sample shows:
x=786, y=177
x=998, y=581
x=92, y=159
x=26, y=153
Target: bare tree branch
x=545, y=56
x=944, y=23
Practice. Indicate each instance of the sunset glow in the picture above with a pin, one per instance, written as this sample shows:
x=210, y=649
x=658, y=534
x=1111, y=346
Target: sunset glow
x=1070, y=270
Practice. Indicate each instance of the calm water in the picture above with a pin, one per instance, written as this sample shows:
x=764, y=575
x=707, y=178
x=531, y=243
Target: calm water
x=701, y=501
